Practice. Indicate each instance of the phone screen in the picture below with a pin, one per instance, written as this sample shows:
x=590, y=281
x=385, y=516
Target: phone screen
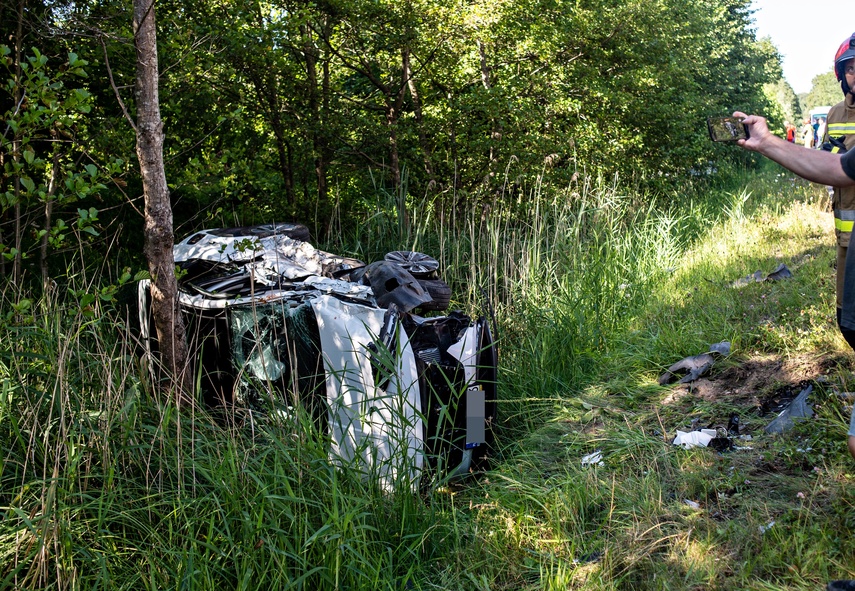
x=727, y=129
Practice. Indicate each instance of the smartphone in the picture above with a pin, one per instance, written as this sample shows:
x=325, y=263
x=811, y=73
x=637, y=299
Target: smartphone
x=727, y=129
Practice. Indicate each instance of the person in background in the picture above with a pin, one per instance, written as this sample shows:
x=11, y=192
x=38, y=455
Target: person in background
x=806, y=134
x=833, y=165
x=820, y=132
x=791, y=131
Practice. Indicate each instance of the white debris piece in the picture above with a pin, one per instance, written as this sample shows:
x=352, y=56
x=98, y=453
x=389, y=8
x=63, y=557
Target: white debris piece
x=690, y=439
x=593, y=459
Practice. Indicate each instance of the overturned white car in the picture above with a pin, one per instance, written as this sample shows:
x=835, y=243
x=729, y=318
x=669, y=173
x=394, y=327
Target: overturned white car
x=402, y=394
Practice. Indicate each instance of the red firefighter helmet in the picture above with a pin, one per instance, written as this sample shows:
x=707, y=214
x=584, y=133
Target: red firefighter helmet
x=845, y=52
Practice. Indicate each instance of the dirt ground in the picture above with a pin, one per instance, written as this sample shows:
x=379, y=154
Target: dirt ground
x=753, y=382
x=756, y=389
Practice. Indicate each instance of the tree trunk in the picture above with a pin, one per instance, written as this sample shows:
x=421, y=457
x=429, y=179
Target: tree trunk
x=394, y=160
x=283, y=147
x=488, y=84
x=159, y=238
x=417, y=109
x=267, y=97
x=16, y=144
x=394, y=108
x=266, y=84
x=318, y=133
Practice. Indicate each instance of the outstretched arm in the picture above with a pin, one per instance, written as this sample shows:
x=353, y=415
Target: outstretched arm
x=814, y=165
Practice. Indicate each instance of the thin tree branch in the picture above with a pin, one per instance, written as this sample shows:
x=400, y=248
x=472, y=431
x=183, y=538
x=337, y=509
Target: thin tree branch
x=113, y=84
x=18, y=108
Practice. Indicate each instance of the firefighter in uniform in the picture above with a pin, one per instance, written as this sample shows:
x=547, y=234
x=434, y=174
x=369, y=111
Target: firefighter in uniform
x=839, y=138
x=828, y=169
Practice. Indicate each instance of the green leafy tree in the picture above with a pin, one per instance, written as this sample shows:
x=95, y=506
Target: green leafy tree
x=784, y=99
x=278, y=109
x=606, y=86
x=46, y=168
x=825, y=91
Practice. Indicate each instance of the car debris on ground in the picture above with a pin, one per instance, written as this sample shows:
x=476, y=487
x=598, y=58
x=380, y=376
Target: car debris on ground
x=690, y=439
x=718, y=437
x=798, y=409
x=781, y=272
x=691, y=368
x=593, y=459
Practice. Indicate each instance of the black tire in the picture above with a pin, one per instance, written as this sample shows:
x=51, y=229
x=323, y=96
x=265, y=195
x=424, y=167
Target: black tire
x=420, y=266
x=291, y=230
x=295, y=231
x=440, y=294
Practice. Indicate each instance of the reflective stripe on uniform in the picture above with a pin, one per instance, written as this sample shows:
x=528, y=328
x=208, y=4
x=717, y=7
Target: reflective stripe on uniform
x=844, y=219
x=841, y=128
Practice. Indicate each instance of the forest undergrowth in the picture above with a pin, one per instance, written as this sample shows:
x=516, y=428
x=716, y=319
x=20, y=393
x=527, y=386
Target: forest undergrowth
x=104, y=484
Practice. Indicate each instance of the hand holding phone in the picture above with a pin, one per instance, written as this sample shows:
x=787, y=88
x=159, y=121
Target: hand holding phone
x=727, y=129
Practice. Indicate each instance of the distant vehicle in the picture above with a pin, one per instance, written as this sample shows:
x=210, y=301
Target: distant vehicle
x=274, y=322
x=818, y=113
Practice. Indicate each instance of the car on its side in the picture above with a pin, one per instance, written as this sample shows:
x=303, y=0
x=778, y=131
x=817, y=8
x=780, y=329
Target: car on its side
x=400, y=385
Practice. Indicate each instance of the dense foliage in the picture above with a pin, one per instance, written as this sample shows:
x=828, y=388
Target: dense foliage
x=323, y=112
x=781, y=94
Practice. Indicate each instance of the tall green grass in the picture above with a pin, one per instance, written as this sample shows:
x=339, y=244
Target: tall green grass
x=567, y=269
x=105, y=484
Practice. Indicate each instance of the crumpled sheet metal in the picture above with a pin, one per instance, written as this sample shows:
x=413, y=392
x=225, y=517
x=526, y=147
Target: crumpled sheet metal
x=269, y=257
x=392, y=284
x=593, y=459
x=466, y=352
x=695, y=366
x=309, y=289
x=781, y=272
x=722, y=348
x=377, y=429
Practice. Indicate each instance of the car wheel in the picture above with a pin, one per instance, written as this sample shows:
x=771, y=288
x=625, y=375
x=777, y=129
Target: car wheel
x=294, y=231
x=420, y=266
x=439, y=291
